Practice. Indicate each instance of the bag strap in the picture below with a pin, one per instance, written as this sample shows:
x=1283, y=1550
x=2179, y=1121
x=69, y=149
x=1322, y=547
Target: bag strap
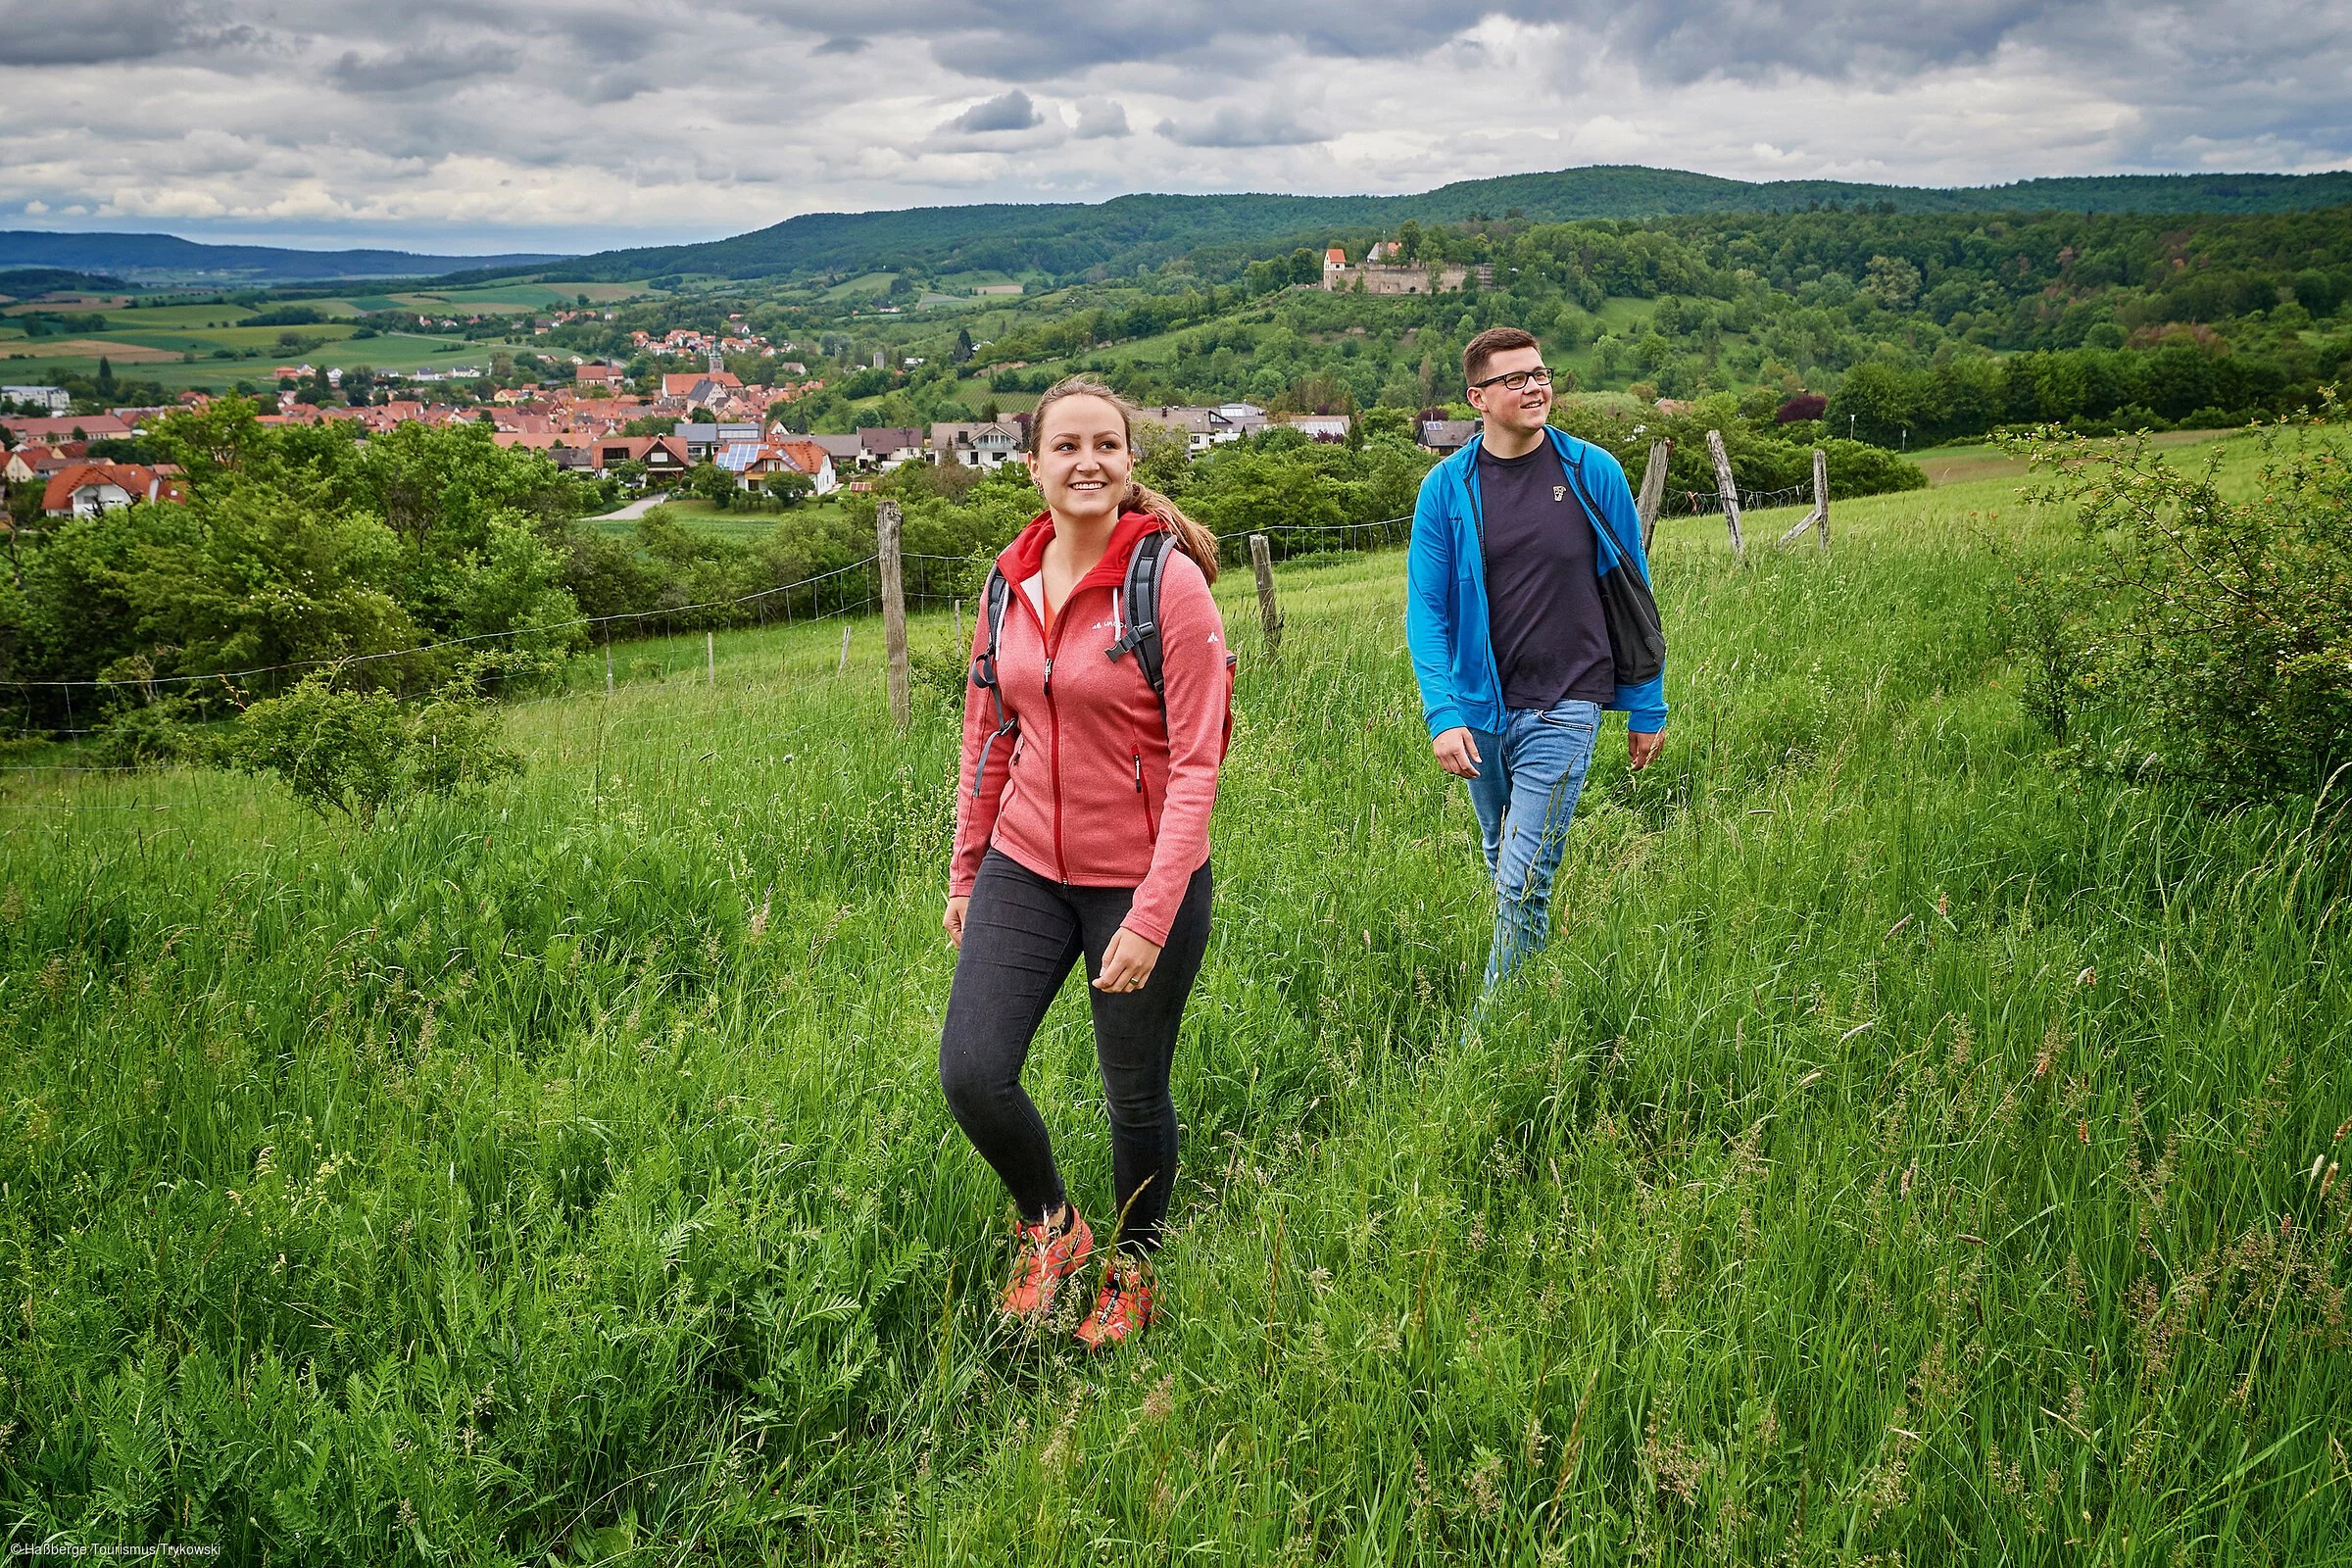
x=1139, y=598
x=984, y=669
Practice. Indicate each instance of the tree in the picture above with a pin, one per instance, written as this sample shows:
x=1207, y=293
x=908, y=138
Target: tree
x=713, y=483
x=790, y=486
x=1891, y=282
x=1872, y=402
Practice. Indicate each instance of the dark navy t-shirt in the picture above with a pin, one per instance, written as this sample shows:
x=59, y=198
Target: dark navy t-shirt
x=1543, y=583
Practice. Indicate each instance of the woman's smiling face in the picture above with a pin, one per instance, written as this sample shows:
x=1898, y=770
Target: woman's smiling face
x=1082, y=460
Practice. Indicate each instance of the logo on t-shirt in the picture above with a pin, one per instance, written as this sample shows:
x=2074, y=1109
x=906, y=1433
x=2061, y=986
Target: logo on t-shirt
x=1559, y=492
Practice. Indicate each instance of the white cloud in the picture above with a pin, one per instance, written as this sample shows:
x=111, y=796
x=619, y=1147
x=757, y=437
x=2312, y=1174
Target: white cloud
x=1102, y=117
x=579, y=125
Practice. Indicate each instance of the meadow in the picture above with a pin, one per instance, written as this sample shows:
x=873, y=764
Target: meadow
x=1906, y=1150
x=151, y=342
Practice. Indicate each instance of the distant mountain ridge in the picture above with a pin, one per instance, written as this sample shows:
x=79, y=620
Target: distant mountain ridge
x=1075, y=239
x=166, y=258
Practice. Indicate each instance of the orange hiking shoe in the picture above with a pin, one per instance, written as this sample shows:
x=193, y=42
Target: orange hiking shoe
x=1124, y=1309
x=1046, y=1257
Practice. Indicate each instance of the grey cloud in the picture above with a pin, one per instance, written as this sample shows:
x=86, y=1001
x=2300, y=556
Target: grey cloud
x=1102, y=117
x=1010, y=111
x=1038, y=42
x=1685, y=43
x=1239, y=128
x=713, y=104
x=609, y=38
x=112, y=31
x=427, y=65
x=619, y=87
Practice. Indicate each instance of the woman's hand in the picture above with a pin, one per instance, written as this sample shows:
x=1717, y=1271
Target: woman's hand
x=1127, y=962
x=954, y=919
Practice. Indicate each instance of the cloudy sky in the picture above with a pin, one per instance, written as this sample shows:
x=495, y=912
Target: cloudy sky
x=556, y=126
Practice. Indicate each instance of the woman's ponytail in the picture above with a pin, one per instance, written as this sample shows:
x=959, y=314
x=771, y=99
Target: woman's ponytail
x=1193, y=539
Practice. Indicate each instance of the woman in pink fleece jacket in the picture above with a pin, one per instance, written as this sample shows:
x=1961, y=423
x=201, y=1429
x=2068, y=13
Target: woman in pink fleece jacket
x=1089, y=839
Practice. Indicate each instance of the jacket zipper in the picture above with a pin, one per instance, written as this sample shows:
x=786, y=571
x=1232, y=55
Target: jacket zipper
x=1052, y=642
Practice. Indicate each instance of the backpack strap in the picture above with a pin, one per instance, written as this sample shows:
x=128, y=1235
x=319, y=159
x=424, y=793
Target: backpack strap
x=1139, y=598
x=984, y=671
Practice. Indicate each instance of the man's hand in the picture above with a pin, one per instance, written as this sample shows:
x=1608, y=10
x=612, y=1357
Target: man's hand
x=1642, y=750
x=954, y=919
x=1127, y=962
x=1456, y=752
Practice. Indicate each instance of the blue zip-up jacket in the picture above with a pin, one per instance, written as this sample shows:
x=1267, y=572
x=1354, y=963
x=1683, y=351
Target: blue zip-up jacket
x=1446, y=623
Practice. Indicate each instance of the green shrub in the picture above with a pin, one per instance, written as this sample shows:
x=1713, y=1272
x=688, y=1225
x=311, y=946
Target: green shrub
x=153, y=734
x=2210, y=638
x=364, y=752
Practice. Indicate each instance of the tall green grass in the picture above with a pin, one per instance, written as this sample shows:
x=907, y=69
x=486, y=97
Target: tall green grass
x=1903, y=1151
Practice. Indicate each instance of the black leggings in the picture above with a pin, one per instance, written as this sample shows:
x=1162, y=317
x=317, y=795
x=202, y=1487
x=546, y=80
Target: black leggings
x=1020, y=937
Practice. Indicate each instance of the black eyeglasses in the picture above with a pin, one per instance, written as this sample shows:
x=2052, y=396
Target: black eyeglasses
x=1516, y=380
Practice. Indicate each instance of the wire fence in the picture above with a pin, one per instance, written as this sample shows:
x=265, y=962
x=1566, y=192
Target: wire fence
x=1709, y=503
x=1288, y=541
x=929, y=581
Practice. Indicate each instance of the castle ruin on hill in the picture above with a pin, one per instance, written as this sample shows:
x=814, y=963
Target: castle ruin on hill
x=1382, y=274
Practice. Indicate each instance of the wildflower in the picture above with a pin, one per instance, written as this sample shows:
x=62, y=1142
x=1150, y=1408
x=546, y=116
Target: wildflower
x=1484, y=1490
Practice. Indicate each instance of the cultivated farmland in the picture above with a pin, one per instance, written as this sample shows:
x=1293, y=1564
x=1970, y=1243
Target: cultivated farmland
x=1905, y=1147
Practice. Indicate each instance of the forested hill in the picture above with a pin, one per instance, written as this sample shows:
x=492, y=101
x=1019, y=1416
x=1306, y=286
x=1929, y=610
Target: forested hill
x=166, y=258
x=1066, y=240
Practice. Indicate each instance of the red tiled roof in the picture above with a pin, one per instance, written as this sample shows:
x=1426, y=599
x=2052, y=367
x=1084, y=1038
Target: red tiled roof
x=139, y=482
x=93, y=427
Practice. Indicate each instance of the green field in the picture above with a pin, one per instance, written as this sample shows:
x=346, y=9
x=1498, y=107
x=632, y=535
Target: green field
x=865, y=284
x=202, y=330
x=698, y=514
x=1902, y=1152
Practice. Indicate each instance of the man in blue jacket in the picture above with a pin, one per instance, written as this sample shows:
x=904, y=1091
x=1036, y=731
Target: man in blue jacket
x=1513, y=538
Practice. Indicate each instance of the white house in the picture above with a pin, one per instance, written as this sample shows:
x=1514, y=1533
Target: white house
x=975, y=446
x=752, y=460
x=90, y=489
x=1204, y=428
x=53, y=398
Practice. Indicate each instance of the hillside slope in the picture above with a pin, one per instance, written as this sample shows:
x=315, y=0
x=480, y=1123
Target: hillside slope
x=1069, y=239
x=166, y=258
x=1901, y=1151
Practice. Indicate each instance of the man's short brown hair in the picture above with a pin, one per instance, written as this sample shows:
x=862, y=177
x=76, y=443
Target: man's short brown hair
x=1492, y=341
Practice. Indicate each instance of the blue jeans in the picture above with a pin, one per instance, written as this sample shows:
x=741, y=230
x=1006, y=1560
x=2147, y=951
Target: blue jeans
x=1529, y=777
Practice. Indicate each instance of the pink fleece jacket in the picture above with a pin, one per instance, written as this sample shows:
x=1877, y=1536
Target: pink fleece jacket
x=1097, y=791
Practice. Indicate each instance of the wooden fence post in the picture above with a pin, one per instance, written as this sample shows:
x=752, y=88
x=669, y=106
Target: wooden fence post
x=608, y=664
x=893, y=610
x=1821, y=496
x=1729, y=489
x=843, y=667
x=1261, y=557
x=1819, y=516
x=1653, y=489
x=710, y=657
x=962, y=647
